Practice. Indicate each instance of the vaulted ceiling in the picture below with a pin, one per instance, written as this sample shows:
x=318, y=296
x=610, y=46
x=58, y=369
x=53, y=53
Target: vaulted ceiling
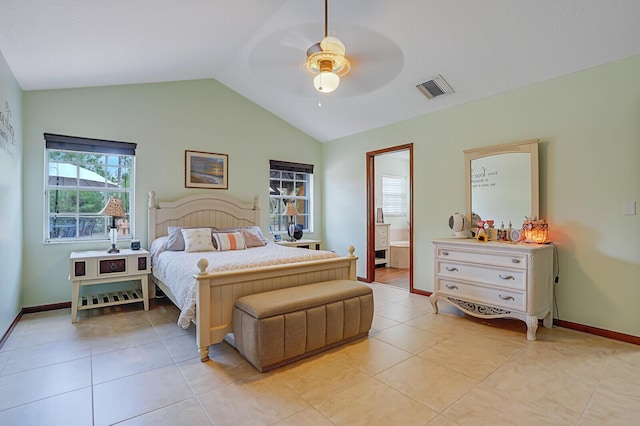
x=258, y=47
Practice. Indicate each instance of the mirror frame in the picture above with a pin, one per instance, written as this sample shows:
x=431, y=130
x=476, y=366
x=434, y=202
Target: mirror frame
x=528, y=146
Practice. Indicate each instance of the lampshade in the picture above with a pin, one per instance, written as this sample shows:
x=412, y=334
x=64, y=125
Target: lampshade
x=290, y=210
x=113, y=208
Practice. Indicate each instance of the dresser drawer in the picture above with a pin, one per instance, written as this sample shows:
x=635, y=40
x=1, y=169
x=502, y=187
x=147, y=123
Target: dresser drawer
x=382, y=237
x=493, y=297
x=501, y=277
x=483, y=257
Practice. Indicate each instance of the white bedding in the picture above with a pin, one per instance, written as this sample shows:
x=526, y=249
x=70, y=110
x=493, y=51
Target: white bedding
x=177, y=268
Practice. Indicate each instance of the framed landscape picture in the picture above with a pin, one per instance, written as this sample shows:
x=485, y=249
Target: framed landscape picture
x=206, y=170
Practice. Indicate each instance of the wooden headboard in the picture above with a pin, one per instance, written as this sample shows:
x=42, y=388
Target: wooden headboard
x=206, y=210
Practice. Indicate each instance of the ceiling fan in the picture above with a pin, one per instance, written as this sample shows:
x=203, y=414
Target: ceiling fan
x=327, y=60
x=283, y=59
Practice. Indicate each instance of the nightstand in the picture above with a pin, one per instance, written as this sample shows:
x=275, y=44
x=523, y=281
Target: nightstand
x=308, y=244
x=99, y=267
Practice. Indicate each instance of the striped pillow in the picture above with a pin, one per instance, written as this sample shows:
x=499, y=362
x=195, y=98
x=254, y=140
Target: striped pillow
x=229, y=241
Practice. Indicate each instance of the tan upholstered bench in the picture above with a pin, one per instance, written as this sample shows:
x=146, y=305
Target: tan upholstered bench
x=281, y=326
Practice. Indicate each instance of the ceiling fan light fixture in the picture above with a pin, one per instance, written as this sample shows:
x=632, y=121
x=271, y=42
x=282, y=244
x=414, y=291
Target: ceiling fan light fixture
x=326, y=82
x=327, y=61
x=339, y=64
x=328, y=67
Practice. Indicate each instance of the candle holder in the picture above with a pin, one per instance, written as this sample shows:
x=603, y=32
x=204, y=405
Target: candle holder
x=535, y=231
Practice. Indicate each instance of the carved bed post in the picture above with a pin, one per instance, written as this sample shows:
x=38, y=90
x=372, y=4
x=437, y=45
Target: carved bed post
x=352, y=267
x=151, y=219
x=203, y=318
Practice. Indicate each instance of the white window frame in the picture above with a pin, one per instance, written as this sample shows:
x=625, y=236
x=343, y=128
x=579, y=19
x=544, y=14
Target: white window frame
x=394, y=195
x=278, y=198
x=75, y=219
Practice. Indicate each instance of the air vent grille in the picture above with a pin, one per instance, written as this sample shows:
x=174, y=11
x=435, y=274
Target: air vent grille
x=435, y=87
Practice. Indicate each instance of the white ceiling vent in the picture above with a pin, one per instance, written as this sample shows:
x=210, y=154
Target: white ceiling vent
x=435, y=87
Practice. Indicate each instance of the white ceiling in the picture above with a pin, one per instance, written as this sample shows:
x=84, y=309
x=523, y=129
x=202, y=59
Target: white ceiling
x=257, y=48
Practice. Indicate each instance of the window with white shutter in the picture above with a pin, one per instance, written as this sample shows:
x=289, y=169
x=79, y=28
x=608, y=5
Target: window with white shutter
x=394, y=195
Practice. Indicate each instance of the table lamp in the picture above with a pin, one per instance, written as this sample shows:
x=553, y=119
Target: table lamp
x=292, y=213
x=113, y=209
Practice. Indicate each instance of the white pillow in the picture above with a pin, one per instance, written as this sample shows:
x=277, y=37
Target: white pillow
x=229, y=241
x=197, y=239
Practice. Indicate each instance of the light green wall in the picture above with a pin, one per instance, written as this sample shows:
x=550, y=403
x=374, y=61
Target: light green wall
x=10, y=197
x=163, y=119
x=589, y=127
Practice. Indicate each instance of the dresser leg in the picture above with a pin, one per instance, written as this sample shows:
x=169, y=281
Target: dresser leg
x=547, y=322
x=434, y=302
x=204, y=354
x=532, y=326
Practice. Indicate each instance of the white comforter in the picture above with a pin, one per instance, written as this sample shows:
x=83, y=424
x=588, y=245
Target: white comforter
x=177, y=268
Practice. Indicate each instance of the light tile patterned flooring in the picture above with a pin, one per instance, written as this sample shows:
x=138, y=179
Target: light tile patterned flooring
x=132, y=367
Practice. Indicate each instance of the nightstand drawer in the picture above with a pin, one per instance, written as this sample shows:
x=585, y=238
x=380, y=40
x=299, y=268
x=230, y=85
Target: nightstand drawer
x=112, y=266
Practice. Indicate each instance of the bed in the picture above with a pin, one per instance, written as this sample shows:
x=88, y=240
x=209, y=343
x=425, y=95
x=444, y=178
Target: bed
x=215, y=290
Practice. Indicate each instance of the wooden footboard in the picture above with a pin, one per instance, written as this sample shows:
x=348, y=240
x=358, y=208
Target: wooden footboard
x=217, y=292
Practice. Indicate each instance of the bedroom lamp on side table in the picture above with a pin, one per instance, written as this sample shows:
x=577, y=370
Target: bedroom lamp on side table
x=114, y=209
x=292, y=212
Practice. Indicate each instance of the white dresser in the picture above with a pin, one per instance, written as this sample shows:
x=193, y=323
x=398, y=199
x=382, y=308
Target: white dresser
x=496, y=280
x=382, y=246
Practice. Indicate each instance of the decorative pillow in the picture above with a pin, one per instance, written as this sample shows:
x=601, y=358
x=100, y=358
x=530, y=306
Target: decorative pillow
x=251, y=238
x=175, y=242
x=197, y=239
x=253, y=229
x=257, y=232
x=225, y=241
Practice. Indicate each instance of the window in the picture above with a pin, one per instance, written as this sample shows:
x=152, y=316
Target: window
x=394, y=195
x=290, y=182
x=80, y=176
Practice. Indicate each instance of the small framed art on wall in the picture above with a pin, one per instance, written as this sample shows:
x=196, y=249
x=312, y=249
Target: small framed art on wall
x=206, y=170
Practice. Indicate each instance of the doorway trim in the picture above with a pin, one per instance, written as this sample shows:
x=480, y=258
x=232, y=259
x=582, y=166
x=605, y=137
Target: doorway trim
x=371, y=210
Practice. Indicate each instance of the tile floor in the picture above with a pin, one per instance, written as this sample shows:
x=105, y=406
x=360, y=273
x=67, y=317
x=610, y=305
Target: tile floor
x=132, y=367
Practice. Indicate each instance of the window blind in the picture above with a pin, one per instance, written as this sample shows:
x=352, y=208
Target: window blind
x=286, y=166
x=394, y=195
x=75, y=143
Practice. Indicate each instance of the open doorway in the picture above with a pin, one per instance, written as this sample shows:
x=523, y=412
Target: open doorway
x=390, y=235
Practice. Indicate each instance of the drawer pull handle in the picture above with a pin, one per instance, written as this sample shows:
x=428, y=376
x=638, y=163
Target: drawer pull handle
x=507, y=277
x=113, y=266
x=451, y=287
x=515, y=260
x=506, y=297
x=451, y=269
x=445, y=253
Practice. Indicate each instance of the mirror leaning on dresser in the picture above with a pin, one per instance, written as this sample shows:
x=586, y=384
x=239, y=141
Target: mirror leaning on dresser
x=498, y=279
